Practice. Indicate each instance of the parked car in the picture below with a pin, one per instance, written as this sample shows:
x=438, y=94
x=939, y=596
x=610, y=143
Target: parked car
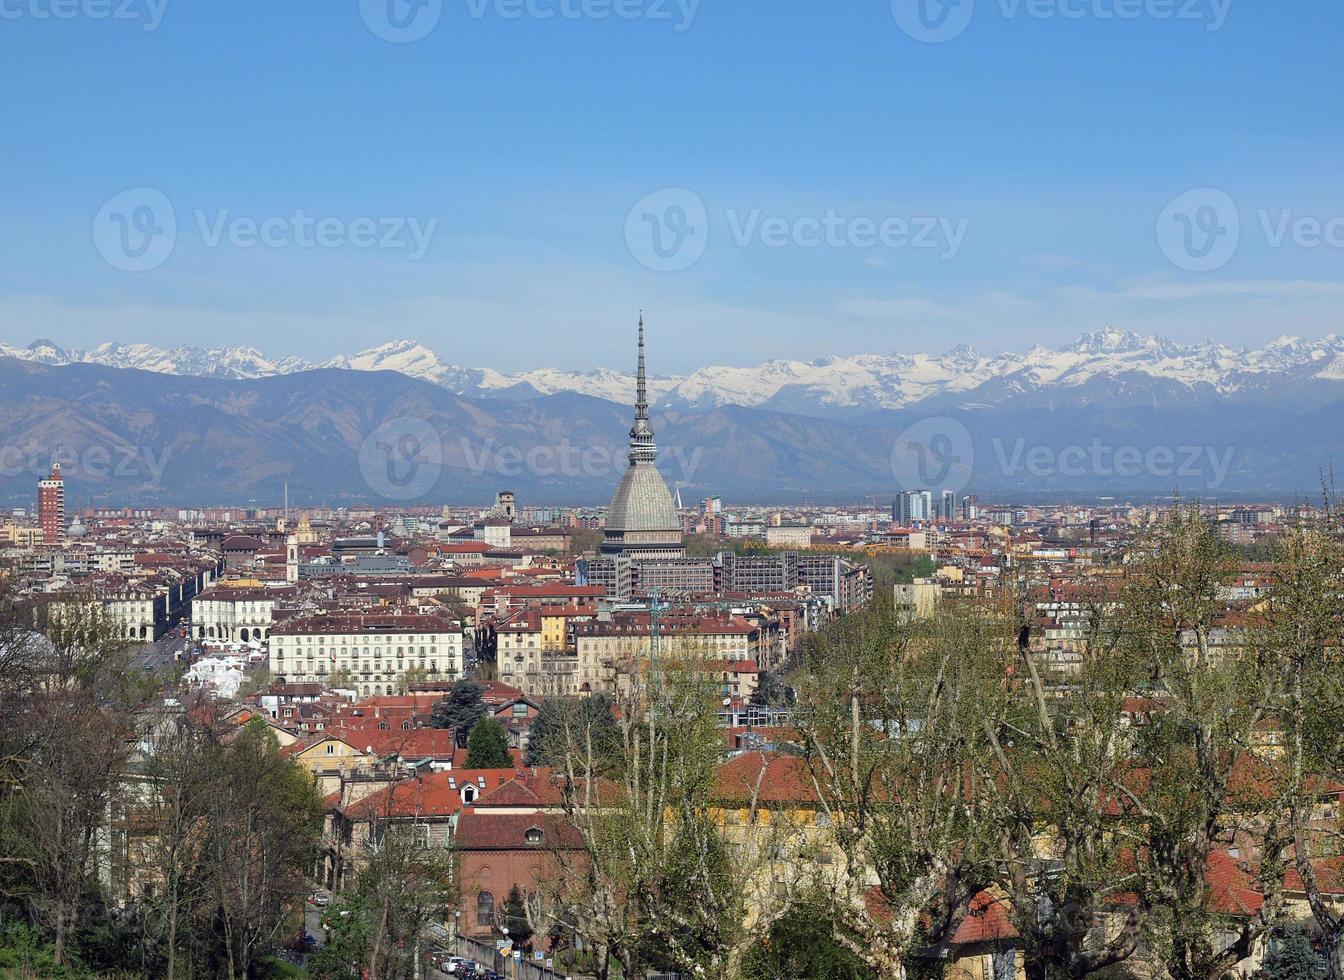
x=321, y=899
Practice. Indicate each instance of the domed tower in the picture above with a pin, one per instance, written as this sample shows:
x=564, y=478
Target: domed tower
x=642, y=521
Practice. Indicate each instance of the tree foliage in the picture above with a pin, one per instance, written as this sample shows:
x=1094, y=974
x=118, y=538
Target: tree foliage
x=488, y=746
x=461, y=709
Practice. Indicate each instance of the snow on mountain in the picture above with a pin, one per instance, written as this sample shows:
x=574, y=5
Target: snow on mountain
x=828, y=385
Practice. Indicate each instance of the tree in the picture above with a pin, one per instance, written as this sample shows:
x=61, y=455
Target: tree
x=514, y=917
x=176, y=802
x=411, y=675
x=1059, y=744
x=70, y=709
x=1305, y=625
x=488, y=746
x=772, y=690
x=461, y=709
x=892, y=714
x=348, y=939
x=1194, y=784
x=660, y=879
x=1291, y=957
x=802, y=944
x=563, y=725
x=261, y=838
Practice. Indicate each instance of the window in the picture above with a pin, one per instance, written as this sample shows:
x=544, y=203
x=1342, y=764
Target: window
x=331, y=749
x=1005, y=964
x=485, y=909
x=534, y=835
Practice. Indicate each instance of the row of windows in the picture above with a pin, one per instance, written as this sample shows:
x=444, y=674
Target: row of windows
x=308, y=640
x=358, y=652
x=321, y=668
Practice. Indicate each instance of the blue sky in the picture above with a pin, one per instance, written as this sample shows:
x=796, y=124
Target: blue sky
x=1035, y=154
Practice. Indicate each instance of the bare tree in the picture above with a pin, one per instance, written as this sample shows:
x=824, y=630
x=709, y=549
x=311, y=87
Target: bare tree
x=71, y=712
x=1196, y=786
x=892, y=711
x=1057, y=750
x=1306, y=621
x=262, y=834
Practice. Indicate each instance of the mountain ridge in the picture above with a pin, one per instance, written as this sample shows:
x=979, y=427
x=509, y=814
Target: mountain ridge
x=339, y=437
x=838, y=386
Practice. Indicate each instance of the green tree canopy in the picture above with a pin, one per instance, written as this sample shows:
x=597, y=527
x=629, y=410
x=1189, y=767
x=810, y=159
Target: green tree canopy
x=488, y=746
x=563, y=728
x=461, y=709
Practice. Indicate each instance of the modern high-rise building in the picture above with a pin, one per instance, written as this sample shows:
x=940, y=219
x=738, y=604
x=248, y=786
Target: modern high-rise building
x=970, y=507
x=921, y=505
x=642, y=521
x=948, y=508
x=912, y=505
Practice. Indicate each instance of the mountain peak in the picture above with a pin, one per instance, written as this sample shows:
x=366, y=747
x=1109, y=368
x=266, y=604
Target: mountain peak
x=1109, y=340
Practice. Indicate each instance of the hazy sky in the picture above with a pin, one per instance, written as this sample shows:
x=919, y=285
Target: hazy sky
x=822, y=176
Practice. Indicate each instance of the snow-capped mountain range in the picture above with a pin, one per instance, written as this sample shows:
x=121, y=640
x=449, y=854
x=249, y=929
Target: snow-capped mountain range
x=1098, y=362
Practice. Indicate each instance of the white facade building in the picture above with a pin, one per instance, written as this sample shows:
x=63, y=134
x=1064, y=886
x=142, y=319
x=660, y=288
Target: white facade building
x=374, y=650
x=236, y=615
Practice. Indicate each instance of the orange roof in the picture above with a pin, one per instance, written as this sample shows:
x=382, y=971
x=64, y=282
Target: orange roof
x=988, y=920
x=769, y=777
x=437, y=794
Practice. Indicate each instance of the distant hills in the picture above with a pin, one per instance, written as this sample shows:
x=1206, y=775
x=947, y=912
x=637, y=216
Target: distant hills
x=1113, y=414
x=1108, y=364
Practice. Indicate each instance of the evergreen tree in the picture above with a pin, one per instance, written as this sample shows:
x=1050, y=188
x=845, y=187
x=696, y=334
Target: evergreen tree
x=488, y=746
x=563, y=728
x=1291, y=957
x=460, y=710
x=514, y=918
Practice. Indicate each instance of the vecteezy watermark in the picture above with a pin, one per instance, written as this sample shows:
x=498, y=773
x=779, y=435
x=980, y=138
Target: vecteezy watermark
x=668, y=230
x=96, y=462
x=568, y=460
x=137, y=230
x=936, y=21
x=934, y=454
x=1207, y=465
x=147, y=13
x=402, y=459
x=937, y=454
x=403, y=21
x=1201, y=229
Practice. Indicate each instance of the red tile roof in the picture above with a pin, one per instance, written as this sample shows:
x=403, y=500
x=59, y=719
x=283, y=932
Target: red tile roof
x=509, y=831
x=772, y=778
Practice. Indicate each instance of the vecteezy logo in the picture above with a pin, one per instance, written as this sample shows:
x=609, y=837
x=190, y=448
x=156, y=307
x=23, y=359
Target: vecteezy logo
x=933, y=21
x=135, y=231
x=933, y=454
x=401, y=21
x=668, y=230
x=402, y=459
x=1198, y=231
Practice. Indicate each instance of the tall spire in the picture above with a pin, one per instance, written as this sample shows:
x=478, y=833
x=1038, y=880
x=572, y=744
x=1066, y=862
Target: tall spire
x=642, y=449
x=642, y=394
